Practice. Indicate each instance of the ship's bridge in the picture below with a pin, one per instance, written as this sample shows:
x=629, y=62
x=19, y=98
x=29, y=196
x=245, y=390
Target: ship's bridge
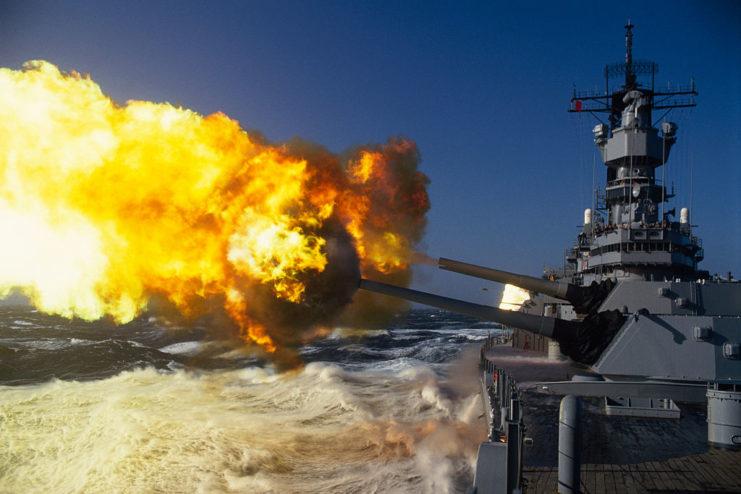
x=653, y=251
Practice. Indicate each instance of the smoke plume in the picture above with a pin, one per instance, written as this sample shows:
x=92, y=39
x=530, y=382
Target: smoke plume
x=109, y=210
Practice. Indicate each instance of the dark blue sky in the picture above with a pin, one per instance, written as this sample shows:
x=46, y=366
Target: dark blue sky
x=482, y=87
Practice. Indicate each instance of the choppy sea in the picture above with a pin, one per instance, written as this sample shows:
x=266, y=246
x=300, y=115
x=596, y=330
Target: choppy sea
x=152, y=407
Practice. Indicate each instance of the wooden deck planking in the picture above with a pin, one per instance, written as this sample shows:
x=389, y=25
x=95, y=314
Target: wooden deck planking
x=667, y=456
x=714, y=471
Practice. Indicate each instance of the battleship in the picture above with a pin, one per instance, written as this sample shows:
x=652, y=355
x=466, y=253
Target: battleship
x=623, y=371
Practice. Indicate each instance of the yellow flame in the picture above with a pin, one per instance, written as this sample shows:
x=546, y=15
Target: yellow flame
x=269, y=249
x=513, y=297
x=104, y=206
x=249, y=329
x=361, y=169
x=107, y=205
x=372, y=212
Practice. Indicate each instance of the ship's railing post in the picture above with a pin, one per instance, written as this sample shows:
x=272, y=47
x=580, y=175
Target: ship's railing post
x=514, y=457
x=569, y=445
x=514, y=445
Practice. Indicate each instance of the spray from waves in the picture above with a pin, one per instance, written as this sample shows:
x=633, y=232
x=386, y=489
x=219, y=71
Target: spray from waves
x=322, y=429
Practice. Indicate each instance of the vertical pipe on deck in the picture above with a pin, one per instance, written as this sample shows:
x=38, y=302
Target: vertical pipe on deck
x=569, y=445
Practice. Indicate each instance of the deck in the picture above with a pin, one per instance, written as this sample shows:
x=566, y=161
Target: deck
x=619, y=454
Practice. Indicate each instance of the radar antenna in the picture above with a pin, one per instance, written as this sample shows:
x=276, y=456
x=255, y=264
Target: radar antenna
x=629, y=76
x=611, y=100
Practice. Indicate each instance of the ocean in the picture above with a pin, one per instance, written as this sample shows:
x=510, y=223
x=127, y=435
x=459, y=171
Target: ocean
x=153, y=407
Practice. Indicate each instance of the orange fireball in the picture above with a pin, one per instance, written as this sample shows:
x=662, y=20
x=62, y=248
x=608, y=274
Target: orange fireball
x=106, y=206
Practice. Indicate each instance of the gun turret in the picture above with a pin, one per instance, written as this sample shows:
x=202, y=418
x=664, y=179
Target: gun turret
x=584, y=299
x=583, y=341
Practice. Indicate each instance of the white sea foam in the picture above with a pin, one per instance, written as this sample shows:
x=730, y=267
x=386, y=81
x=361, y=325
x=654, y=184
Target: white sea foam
x=345, y=332
x=322, y=429
x=20, y=322
x=44, y=343
x=183, y=348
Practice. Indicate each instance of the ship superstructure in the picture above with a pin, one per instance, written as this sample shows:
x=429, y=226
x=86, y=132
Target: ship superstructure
x=648, y=333
x=632, y=234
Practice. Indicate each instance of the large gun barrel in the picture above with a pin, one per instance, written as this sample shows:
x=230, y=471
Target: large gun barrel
x=583, y=341
x=558, y=289
x=583, y=298
x=546, y=326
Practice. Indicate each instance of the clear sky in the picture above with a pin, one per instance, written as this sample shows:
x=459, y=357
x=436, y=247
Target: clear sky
x=482, y=87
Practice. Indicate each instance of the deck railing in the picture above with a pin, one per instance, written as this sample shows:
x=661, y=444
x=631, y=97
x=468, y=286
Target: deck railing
x=502, y=408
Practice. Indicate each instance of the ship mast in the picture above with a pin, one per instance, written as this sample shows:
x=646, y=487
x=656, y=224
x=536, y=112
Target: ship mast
x=635, y=239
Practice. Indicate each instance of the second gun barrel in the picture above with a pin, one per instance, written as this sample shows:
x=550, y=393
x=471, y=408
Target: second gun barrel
x=558, y=289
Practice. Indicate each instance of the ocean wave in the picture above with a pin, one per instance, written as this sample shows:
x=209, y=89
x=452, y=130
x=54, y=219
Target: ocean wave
x=20, y=322
x=91, y=407
x=322, y=429
x=44, y=343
